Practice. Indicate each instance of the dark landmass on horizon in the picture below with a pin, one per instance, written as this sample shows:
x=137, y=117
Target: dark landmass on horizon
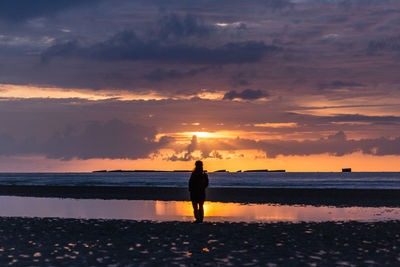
x=262, y=170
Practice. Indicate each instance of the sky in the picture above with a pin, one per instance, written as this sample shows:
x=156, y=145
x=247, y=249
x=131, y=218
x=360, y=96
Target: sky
x=301, y=85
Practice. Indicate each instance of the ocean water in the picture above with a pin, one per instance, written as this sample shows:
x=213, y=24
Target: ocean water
x=354, y=180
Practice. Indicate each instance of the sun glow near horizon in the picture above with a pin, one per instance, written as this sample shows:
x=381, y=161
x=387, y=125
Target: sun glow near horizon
x=202, y=134
x=186, y=136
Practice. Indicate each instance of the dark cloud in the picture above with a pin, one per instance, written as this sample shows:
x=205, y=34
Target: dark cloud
x=187, y=153
x=173, y=27
x=364, y=118
x=247, y=94
x=188, y=150
x=360, y=3
x=277, y=4
x=159, y=75
x=113, y=139
x=127, y=46
x=7, y=144
x=387, y=44
x=20, y=10
x=337, y=145
x=41, y=117
x=64, y=49
x=240, y=79
x=118, y=140
x=85, y=53
x=340, y=84
x=45, y=116
x=191, y=4
x=132, y=136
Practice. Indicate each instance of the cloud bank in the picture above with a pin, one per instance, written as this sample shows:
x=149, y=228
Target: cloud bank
x=247, y=94
x=21, y=10
x=113, y=139
x=127, y=46
x=335, y=145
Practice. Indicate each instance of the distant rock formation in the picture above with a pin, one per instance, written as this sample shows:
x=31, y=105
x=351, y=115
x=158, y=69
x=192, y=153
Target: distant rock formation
x=140, y=171
x=266, y=170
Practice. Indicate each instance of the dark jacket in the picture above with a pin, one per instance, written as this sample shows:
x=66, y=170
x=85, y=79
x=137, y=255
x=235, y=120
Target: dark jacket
x=198, y=183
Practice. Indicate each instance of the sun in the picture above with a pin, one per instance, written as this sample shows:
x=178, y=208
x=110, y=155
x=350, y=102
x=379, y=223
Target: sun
x=202, y=134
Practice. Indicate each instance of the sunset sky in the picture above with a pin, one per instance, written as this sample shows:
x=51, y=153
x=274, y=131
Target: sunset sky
x=301, y=85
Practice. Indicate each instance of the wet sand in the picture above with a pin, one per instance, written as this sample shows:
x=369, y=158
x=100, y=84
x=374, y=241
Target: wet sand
x=289, y=196
x=72, y=242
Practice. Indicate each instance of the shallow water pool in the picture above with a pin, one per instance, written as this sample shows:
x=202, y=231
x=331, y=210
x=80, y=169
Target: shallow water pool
x=14, y=206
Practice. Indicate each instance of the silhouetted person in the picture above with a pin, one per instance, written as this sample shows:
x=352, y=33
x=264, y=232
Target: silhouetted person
x=197, y=186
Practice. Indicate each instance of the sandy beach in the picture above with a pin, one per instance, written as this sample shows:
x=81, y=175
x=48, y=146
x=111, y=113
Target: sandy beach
x=71, y=242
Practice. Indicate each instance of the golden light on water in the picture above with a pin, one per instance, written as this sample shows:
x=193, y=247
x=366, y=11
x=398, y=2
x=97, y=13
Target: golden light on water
x=218, y=211
x=183, y=208
x=183, y=211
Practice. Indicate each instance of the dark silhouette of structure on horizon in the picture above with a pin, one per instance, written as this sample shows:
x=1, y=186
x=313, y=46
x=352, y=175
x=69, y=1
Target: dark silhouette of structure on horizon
x=198, y=183
x=346, y=170
x=264, y=170
x=140, y=171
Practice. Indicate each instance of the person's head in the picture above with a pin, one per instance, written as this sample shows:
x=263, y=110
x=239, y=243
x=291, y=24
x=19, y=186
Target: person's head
x=199, y=166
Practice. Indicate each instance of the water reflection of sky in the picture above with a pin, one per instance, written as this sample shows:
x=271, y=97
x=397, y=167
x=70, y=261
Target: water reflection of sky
x=182, y=210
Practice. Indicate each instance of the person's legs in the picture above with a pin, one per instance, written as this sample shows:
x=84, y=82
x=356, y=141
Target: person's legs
x=195, y=209
x=201, y=211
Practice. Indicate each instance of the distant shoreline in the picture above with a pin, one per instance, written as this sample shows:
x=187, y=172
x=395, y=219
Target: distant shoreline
x=289, y=196
x=188, y=171
x=127, y=171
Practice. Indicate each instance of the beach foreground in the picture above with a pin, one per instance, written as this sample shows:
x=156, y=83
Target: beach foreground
x=71, y=242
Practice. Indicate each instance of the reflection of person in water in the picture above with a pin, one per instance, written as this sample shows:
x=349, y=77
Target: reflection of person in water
x=197, y=186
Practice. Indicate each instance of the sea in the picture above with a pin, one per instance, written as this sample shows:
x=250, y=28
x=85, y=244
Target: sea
x=352, y=180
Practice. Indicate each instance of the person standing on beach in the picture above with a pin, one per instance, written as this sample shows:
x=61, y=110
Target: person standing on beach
x=198, y=183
